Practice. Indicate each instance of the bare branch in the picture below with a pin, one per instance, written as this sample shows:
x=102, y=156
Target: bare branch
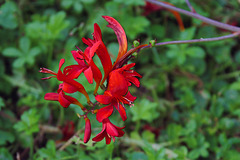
x=196, y=40
x=197, y=16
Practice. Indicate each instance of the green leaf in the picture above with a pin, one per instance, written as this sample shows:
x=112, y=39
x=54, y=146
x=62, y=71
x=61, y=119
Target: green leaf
x=5, y=154
x=34, y=51
x=56, y=24
x=1, y=103
x=131, y=2
x=144, y=110
x=197, y=52
x=18, y=63
x=87, y=1
x=8, y=17
x=12, y=52
x=24, y=44
x=6, y=137
x=66, y=4
x=28, y=123
x=78, y=8
x=138, y=25
x=188, y=34
x=174, y=131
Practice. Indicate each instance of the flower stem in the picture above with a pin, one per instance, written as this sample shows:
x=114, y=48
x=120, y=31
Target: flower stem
x=196, y=40
x=197, y=16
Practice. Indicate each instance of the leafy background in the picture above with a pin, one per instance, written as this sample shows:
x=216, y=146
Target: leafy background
x=188, y=102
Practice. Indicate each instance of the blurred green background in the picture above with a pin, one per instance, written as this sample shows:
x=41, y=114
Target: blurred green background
x=188, y=103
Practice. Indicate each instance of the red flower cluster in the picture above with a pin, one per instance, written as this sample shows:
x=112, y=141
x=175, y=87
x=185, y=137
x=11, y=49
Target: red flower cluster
x=118, y=75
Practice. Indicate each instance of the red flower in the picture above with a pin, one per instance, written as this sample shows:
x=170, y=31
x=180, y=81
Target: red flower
x=69, y=85
x=63, y=99
x=101, y=51
x=117, y=93
x=87, y=132
x=109, y=131
x=86, y=65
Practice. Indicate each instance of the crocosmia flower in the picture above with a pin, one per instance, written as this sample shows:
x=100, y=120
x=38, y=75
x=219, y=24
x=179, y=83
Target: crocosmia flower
x=118, y=77
x=109, y=131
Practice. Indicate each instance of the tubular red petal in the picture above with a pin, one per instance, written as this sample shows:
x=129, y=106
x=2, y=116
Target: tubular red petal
x=89, y=75
x=87, y=132
x=62, y=100
x=104, y=99
x=78, y=86
x=121, y=111
x=97, y=34
x=104, y=113
x=111, y=130
x=108, y=139
x=93, y=49
x=51, y=96
x=120, y=33
x=97, y=75
x=69, y=88
x=105, y=60
x=117, y=84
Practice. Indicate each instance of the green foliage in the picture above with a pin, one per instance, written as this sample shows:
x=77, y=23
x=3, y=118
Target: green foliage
x=8, y=18
x=144, y=110
x=25, y=55
x=187, y=106
x=29, y=122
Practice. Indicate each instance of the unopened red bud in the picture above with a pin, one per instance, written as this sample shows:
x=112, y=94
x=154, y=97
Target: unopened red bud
x=87, y=133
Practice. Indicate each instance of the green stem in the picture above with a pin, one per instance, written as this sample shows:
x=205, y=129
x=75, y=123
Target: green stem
x=230, y=75
x=50, y=53
x=61, y=116
x=31, y=147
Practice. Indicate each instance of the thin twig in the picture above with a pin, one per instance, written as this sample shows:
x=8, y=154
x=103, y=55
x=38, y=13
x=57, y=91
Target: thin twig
x=197, y=16
x=69, y=142
x=196, y=40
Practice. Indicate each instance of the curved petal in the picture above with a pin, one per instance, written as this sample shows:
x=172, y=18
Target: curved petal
x=69, y=88
x=51, y=96
x=104, y=99
x=89, y=75
x=111, y=130
x=104, y=113
x=97, y=34
x=117, y=84
x=93, y=50
x=121, y=111
x=120, y=33
x=97, y=75
x=62, y=100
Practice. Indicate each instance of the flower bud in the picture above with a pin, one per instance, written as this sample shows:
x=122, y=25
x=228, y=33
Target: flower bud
x=87, y=133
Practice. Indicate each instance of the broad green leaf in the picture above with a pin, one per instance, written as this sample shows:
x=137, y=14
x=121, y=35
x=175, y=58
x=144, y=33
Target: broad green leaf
x=28, y=123
x=56, y=24
x=144, y=110
x=66, y=4
x=87, y=1
x=12, y=52
x=188, y=34
x=18, y=63
x=24, y=44
x=5, y=154
x=195, y=52
x=174, y=131
x=34, y=51
x=5, y=137
x=8, y=18
x=131, y=2
x=78, y=7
